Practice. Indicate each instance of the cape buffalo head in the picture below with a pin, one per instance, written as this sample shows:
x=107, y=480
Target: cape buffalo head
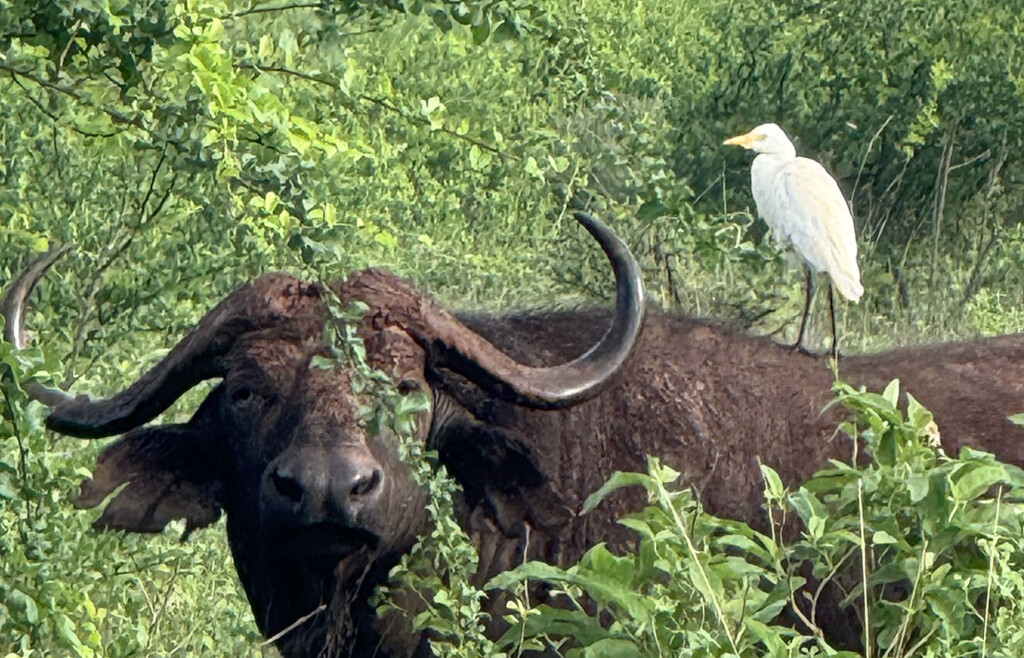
x=318, y=508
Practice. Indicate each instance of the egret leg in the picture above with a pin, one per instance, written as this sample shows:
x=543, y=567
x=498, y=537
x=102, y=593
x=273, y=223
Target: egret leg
x=832, y=316
x=807, y=310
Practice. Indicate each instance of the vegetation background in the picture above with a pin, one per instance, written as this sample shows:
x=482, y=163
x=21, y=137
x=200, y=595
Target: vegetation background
x=184, y=146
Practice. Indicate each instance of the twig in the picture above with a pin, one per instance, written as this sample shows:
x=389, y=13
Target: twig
x=993, y=177
x=271, y=9
x=379, y=102
x=288, y=71
x=526, y=590
x=901, y=633
x=864, y=160
x=864, y=568
x=114, y=251
x=22, y=467
x=719, y=611
x=819, y=590
x=117, y=117
x=154, y=625
x=52, y=117
x=924, y=640
x=971, y=288
x=991, y=569
x=292, y=626
x=777, y=540
x=981, y=156
x=448, y=131
x=941, y=185
x=67, y=46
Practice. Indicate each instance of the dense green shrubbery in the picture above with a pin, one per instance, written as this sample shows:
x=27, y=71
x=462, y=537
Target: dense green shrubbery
x=186, y=145
x=67, y=590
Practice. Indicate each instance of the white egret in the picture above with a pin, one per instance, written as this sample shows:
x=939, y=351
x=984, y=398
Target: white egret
x=805, y=209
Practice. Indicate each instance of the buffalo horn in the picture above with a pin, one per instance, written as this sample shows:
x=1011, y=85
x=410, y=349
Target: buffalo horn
x=466, y=352
x=194, y=359
x=12, y=307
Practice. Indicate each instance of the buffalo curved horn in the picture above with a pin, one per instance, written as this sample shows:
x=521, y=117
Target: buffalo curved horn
x=454, y=346
x=12, y=307
x=257, y=305
x=569, y=383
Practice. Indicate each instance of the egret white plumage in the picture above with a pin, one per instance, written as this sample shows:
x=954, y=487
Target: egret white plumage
x=805, y=210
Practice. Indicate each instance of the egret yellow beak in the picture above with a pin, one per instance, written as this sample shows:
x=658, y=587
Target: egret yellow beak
x=739, y=140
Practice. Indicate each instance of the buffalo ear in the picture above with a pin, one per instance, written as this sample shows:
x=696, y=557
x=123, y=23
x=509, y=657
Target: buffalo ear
x=171, y=471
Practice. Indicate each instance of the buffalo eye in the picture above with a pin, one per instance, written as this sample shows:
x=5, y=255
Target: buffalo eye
x=241, y=396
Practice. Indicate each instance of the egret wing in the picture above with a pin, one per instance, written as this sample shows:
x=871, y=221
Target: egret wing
x=818, y=222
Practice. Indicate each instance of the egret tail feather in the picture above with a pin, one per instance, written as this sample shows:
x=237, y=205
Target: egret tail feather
x=847, y=286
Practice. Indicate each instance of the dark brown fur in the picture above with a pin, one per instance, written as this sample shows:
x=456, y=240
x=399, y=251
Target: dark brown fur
x=708, y=400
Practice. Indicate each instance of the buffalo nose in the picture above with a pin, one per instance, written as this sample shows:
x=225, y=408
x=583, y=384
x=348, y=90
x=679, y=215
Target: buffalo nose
x=310, y=486
x=365, y=483
x=287, y=486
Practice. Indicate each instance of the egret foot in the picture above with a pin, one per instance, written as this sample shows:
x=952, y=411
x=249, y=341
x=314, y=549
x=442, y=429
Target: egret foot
x=802, y=350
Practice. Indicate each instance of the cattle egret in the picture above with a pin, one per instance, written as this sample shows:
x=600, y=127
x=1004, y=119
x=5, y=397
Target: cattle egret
x=805, y=210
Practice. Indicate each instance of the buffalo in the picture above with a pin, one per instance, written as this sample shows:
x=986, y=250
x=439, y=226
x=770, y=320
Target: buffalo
x=318, y=509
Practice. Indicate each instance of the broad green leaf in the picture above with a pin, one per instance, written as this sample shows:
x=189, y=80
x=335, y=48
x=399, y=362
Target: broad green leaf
x=617, y=481
x=977, y=481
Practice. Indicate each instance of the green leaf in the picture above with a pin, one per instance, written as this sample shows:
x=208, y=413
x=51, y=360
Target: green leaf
x=67, y=631
x=977, y=481
x=774, y=490
x=441, y=19
x=7, y=489
x=506, y=31
x=604, y=590
x=891, y=394
x=917, y=485
x=617, y=481
x=612, y=648
x=23, y=604
x=481, y=31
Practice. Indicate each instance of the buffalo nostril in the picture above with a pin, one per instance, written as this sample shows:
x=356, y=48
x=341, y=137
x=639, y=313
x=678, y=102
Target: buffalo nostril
x=366, y=483
x=287, y=487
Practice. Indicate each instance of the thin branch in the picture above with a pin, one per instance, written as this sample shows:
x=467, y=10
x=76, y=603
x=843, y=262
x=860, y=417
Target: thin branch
x=117, y=117
x=971, y=289
x=115, y=249
x=993, y=178
x=52, y=117
x=289, y=71
x=380, y=102
x=863, y=161
x=939, y=209
x=369, y=30
x=165, y=596
x=67, y=46
x=981, y=156
x=270, y=9
x=865, y=575
x=292, y=626
x=991, y=569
